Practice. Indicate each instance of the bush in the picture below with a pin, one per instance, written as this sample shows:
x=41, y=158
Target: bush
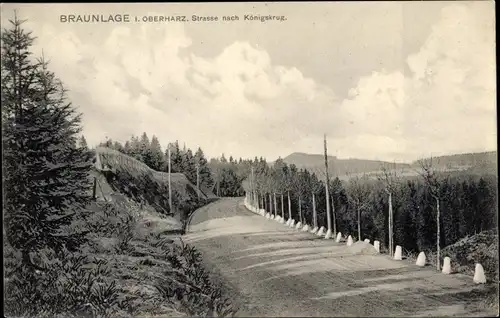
x=189, y=284
x=481, y=248
x=65, y=284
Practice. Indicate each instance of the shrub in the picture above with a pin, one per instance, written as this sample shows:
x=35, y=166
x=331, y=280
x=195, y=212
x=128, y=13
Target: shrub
x=65, y=284
x=189, y=284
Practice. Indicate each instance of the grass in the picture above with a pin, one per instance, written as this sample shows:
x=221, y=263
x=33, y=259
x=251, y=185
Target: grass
x=137, y=181
x=132, y=263
x=118, y=161
x=125, y=269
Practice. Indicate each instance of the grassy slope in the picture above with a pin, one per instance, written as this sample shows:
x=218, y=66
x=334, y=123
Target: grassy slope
x=157, y=272
x=134, y=263
x=136, y=180
x=160, y=274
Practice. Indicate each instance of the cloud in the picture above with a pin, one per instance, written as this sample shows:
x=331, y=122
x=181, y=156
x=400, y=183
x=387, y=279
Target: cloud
x=240, y=101
x=446, y=104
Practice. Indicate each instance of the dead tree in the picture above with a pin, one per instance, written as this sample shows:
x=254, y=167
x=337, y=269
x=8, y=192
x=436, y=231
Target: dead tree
x=433, y=181
x=358, y=193
x=327, y=195
x=390, y=180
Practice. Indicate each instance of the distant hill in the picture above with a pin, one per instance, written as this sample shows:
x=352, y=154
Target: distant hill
x=339, y=167
x=482, y=162
x=465, y=160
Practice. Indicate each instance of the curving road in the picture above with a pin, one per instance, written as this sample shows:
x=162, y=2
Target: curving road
x=272, y=270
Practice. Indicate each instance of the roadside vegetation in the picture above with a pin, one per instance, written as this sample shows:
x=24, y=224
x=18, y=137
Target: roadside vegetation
x=67, y=254
x=361, y=207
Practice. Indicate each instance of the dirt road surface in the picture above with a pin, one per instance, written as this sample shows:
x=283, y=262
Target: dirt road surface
x=272, y=270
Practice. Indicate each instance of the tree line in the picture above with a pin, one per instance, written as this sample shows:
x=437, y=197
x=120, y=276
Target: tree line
x=224, y=176
x=361, y=206
x=182, y=160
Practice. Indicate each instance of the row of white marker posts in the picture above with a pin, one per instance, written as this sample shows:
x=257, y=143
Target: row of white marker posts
x=479, y=276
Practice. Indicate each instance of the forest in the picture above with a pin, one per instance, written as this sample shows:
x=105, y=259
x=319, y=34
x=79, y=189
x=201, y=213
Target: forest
x=468, y=200
x=468, y=203
x=223, y=176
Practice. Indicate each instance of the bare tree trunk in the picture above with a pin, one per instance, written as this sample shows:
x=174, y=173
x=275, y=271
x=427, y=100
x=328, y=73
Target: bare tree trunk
x=334, y=219
x=327, y=195
x=270, y=204
x=275, y=205
x=315, y=216
x=300, y=210
x=438, y=248
x=94, y=189
x=359, y=222
x=198, y=177
x=391, y=247
x=289, y=206
x=282, y=208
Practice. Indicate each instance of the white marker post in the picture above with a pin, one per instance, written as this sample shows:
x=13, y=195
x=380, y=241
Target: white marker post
x=421, y=259
x=339, y=237
x=398, y=255
x=349, y=241
x=446, y=265
x=479, y=277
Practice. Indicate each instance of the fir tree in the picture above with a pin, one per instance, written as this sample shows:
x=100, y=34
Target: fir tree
x=82, y=143
x=155, y=154
x=46, y=175
x=189, y=166
x=177, y=159
x=206, y=179
x=135, y=148
x=126, y=148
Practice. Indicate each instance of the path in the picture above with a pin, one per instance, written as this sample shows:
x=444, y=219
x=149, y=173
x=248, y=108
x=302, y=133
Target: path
x=277, y=271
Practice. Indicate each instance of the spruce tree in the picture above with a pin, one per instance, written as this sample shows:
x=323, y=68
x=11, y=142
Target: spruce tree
x=126, y=148
x=206, y=179
x=176, y=157
x=189, y=166
x=144, y=149
x=82, y=143
x=46, y=175
x=135, y=148
x=155, y=154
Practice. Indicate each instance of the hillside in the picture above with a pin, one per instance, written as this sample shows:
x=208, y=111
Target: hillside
x=132, y=262
x=134, y=179
x=114, y=160
x=483, y=162
x=478, y=159
x=338, y=167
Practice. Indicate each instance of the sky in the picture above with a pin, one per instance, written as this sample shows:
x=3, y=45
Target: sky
x=383, y=80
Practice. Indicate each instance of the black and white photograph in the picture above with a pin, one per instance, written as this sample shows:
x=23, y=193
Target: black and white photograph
x=249, y=159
